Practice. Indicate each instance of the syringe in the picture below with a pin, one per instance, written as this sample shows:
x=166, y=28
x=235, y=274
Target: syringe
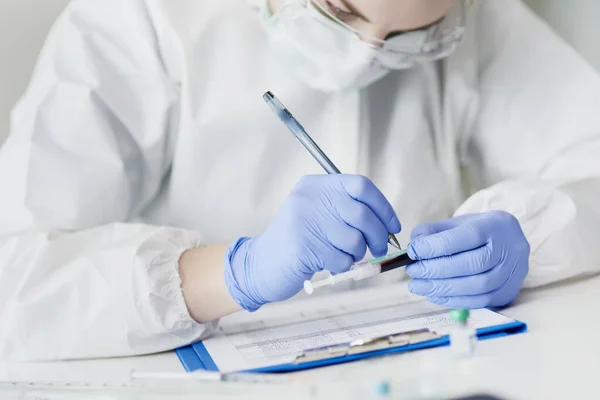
x=363, y=270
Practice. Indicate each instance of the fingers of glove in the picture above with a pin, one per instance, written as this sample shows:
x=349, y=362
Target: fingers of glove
x=500, y=297
x=464, y=264
x=348, y=240
x=467, y=236
x=362, y=189
x=337, y=261
x=511, y=289
x=463, y=286
x=431, y=228
x=362, y=218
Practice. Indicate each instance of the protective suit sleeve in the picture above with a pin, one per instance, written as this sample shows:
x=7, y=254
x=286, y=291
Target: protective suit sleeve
x=87, y=151
x=536, y=142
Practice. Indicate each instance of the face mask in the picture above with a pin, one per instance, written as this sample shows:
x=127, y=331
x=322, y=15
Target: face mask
x=326, y=56
x=329, y=55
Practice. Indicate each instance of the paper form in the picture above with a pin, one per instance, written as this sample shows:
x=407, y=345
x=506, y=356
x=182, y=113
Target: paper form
x=278, y=333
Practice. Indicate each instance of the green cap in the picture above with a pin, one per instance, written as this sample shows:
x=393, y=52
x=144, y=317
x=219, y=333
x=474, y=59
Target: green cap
x=460, y=315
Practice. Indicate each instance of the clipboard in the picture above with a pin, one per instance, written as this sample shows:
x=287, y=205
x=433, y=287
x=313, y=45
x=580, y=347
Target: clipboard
x=196, y=357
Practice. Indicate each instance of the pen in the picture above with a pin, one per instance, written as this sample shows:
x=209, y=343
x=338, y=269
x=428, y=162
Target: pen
x=310, y=145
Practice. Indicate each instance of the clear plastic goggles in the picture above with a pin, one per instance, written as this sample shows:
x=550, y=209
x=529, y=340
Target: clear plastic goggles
x=327, y=34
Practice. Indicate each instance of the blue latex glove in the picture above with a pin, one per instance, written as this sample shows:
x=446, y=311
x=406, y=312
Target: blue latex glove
x=472, y=261
x=327, y=222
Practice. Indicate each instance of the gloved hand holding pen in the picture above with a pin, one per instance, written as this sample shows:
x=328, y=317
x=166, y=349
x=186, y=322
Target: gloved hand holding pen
x=327, y=222
x=471, y=261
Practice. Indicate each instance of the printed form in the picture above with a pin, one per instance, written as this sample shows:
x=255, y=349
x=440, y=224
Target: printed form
x=278, y=333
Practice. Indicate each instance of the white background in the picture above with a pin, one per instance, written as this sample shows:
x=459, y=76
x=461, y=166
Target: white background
x=25, y=23
x=23, y=27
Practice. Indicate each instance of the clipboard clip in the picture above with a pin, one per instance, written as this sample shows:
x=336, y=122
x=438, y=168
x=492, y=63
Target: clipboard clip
x=366, y=345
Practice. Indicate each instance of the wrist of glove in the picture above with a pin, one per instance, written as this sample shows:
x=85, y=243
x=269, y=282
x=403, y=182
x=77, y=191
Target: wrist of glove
x=238, y=286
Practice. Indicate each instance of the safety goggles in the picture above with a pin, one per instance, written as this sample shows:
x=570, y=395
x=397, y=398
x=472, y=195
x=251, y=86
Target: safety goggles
x=313, y=22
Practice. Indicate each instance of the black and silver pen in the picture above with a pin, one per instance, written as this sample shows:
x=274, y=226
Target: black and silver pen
x=294, y=126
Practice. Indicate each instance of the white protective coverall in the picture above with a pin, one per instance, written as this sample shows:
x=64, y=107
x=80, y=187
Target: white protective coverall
x=144, y=133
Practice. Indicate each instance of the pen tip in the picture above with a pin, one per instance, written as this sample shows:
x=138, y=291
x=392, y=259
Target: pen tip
x=394, y=241
x=268, y=96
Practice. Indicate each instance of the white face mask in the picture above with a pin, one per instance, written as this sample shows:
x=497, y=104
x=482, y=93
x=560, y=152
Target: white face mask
x=323, y=54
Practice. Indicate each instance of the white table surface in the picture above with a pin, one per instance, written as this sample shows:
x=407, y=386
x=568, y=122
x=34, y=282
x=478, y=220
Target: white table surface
x=558, y=358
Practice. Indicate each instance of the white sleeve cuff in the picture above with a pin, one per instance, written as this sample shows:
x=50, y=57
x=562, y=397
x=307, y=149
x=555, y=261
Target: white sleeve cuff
x=165, y=305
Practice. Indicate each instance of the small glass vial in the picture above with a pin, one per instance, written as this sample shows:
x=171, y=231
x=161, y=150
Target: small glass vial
x=462, y=337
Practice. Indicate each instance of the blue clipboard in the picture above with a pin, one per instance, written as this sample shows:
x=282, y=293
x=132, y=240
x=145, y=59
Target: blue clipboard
x=196, y=357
